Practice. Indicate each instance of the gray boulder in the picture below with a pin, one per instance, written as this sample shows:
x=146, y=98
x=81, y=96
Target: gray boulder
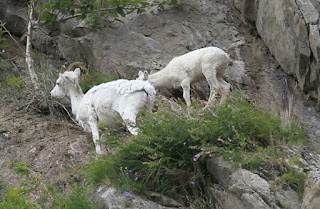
x=246, y=190
x=15, y=23
x=111, y=198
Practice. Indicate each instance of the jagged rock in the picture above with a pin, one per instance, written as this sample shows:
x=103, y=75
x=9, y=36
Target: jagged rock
x=3, y=10
x=246, y=190
x=76, y=49
x=162, y=200
x=15, y=23
x=290, y=30
x=311, y=193
x=110, y=198
x=242, y=180
x=42, y=41
x=287, y=198
x=220, y=170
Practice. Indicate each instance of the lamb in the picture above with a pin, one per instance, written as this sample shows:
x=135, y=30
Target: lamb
x=104, y=102
x=208, y=63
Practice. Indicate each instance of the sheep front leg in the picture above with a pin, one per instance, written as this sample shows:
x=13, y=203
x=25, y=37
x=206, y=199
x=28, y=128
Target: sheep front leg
x=93, y=122
x=185, y=84
x=130, y=120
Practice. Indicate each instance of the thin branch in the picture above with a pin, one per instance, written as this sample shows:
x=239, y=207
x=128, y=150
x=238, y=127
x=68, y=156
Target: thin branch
x=67, y=112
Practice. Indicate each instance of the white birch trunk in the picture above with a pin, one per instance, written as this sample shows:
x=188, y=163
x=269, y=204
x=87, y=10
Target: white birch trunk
x=29, y=61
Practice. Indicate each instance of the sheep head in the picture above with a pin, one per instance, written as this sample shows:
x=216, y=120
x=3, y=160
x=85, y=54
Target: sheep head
x=66, y=81
x=143, y=75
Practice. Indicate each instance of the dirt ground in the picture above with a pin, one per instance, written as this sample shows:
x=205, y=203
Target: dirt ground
x=50, y=146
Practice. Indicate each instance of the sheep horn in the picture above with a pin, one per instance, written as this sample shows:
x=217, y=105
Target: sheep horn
x=72, y=66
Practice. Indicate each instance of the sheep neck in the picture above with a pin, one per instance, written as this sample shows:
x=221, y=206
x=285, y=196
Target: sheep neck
x=160, y=79
x=76, y=96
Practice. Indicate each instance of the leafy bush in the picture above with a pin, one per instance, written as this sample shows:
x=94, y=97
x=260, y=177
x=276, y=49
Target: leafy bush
x=21, y=195
x=72, y=198
x=21, y=168
x=17, y=198
x=16, y=82
x=294, y=179
x=169, y=155
x=54, y=11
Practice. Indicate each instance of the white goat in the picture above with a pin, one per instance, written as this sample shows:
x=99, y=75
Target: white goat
x=208, y=63
x=105, y=101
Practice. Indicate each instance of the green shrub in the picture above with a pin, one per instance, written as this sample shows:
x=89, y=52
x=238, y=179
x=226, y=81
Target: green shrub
x=21, y=168
x=16, y=82
x=294, y=179
x=17, y=198
x=169, y=154
x=77, y=200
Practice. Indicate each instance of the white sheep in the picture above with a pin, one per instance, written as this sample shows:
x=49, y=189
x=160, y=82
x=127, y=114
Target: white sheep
x=208, y=63
x=104, y=102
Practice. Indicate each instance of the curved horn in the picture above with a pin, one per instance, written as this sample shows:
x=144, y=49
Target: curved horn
x=74, y=65
x=63, y=68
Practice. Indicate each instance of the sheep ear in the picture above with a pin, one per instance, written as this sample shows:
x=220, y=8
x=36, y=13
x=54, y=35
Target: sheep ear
x=145, y=75
x=77, y=71
x=140, y=74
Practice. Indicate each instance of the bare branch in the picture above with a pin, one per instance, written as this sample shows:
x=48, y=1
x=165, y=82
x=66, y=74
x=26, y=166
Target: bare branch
x=29, y=61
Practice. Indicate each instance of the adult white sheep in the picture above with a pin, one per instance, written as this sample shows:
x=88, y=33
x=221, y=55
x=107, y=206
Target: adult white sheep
x=208, y=63
x=105, y=101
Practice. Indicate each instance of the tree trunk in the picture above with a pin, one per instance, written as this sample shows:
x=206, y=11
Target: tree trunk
x=29, y=61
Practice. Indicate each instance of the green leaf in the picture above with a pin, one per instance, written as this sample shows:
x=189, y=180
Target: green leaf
x=120, y=11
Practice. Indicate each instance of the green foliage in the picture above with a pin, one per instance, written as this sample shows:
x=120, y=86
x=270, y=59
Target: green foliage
x=21, y=168
x=294, y=179
x=93, y=77
x=16, y=82
x=169, y=155
x=21, y=195
x=244, y=125
x=3, y=31
x=75, y=199
x=17, y=198
x=98, y=170
x=56, y=10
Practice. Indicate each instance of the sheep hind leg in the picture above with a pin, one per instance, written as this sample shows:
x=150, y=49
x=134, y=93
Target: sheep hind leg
x=185, y=84
x=210, y=75
x=93, y=122
x=225, y=89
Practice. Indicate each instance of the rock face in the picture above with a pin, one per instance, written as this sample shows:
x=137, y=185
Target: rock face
x=311, y=193
x=109, y=197
x=290, y=29
x=273, y=43
x=13, y=16
x=246, y=190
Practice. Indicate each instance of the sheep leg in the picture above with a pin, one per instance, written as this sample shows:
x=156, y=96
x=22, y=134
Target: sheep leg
x=93, y=122
x=185, y=84
x=225, y=89
x=212, y=80
x=129, y=118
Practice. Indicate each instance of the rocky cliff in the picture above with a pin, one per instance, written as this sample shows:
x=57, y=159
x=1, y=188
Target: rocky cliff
x=274, y=45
